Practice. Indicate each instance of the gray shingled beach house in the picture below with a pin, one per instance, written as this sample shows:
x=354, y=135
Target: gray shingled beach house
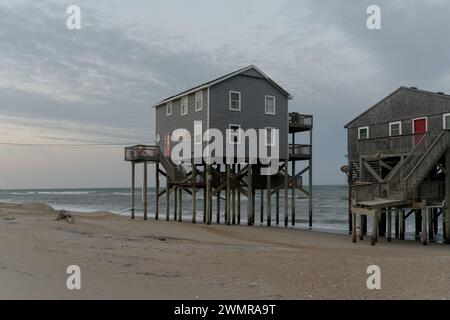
x=244, y=99
x=398, y=153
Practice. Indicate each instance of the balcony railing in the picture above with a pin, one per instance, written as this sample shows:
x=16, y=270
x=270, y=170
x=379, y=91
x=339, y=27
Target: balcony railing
x=402, y=144
x=141, y=153
x=302, y=151
x=297, y=120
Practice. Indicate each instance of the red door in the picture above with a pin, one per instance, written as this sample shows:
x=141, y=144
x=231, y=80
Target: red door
x=420, y=127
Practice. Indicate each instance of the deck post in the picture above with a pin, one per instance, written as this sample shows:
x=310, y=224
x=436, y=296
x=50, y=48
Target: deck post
x=167, y=199
x=194, y=191
x=277, y=207
x=144, y=191
x=402, y=224
x=418, y=221
x=238, y=209
x=218, y=201
x=396, y=224
x=361, y=227
x=435, y=221
x=293, y=194
x=382, y=223
x=353, y=226
x=286, y=193
x=156, y=191
x=208, y=195
x=261, y=203
x=424, y=225
x=227, y=195
x=269, y=204
x=233, y=197
x=249, y=195
x=133, y=188
x=374, y=237
x=389, y=225
x=180, y=204
x=446, y=216
x=175, y=201
x=430, y=218
x=310, y=178
x=205, y=204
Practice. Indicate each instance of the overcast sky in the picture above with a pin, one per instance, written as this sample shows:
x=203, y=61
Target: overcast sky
x=97, y=84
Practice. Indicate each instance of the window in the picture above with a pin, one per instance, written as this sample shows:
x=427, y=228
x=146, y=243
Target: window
x=395, y=128
x=446, y=120
x=184, y=106
x=363, y=133
x=199, y=101
x=235, y=100
x=270, y=104
x=169, y=108
x=198, y=133
x=270, y=137
x=234, y=134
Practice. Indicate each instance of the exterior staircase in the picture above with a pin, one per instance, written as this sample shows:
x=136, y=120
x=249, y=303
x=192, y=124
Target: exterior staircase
x=406, y=177
x=175, y=172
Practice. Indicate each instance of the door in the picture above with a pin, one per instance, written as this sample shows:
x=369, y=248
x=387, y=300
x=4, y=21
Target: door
x=166, y=150
x=419, y=127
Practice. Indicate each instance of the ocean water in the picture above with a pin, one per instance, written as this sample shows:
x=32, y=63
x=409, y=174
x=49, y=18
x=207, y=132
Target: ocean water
x=329, y=204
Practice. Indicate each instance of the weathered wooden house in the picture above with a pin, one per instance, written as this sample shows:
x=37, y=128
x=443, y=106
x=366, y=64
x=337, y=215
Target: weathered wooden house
x=244, y=99
x=398, y=152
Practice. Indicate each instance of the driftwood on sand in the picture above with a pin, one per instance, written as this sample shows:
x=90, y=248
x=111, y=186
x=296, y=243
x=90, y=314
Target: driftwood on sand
x=66, y=216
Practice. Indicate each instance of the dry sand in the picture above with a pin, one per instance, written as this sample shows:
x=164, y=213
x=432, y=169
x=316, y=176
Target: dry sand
x=122, y=258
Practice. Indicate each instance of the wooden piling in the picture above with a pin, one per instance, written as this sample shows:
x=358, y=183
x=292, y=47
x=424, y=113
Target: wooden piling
x=208, y=195
x=354, y=227
x=269, y=201
x=261, y=203
x=361, y=227
x=382, y=224
x=250, y=195
x=286, y=193
x=277, y=207
x=389, y=225
x=218, y=201
x=418, y=225
x=133, y=189
x=227, y=195
x=233, y=197
x=156, y=191
x=238, y=208
x=144, y=191
x=175, y=202
x=310, y=186
x=194, y=191
x=424, y=226
x=293, y=194
x=374, y=237
x=447, y=197
x=402, y=224
x=396, y=224
x=167, y=199
x=180, y=204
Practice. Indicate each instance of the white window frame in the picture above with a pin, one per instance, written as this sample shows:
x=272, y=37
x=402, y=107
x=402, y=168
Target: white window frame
x=169, y=105
x=420, y=118
x=199, y=98
x=399, y=127
x=274, y=105
x=362, y=128
x=200, y=125
x=229, y=100
x=230, y=134
x=272, y=137
x=443, y=120
x=184, y=99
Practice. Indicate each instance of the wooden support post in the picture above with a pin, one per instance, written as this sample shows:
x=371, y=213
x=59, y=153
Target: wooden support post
x=261, y=203
x=180, y=204
x=402, y=224
x=447, y=197
x=167, y=199
x=430, y=218
x=361, y=227
x=435, y=221
x=204, y=199
x=277, y=207
x=233, y=197
x=208, y=195
x=218, y=201
x=269, y=202
x=310, y=186
x=227, y=195
x=175, y=207
x=374, y=228
x=396, y=224
x=418, y=223
x=382, y=225
x=250, y=195
x=354, y=227
x=156, y=191
x=194, y=191
x=293, y=195
x=144, y=191
x=424, y=226
x=133, y=188
x=389, y=225
x=238, y=209
x=286, y=193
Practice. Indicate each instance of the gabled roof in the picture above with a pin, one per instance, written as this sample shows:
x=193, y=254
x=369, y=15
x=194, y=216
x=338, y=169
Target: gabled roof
x=220, y=79
x=410, y=90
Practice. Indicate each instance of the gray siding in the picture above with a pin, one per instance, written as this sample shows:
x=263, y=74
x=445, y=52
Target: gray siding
x=403, y=105
x=167, y=124
x=252, y=114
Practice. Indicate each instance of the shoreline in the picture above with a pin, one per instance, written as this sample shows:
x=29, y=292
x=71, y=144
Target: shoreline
x=122, y=258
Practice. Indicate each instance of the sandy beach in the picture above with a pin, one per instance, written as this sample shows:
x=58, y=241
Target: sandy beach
x=122, y=258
